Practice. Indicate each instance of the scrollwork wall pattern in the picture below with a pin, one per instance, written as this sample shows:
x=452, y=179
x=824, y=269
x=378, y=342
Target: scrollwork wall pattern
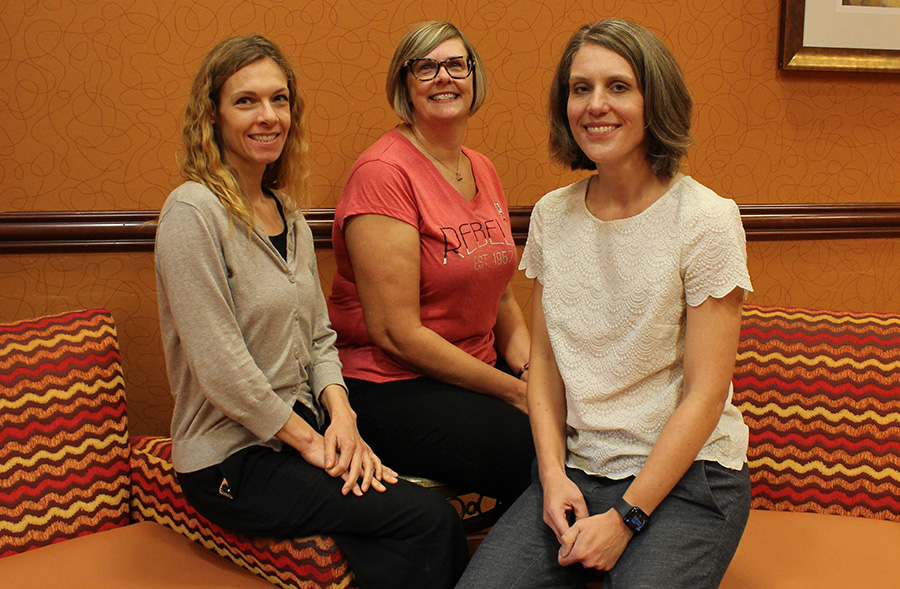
x=94, y=90
x=92, y=94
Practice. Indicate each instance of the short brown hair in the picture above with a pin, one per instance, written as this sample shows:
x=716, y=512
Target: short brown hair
x=417, y=43
x=203, y=161
x=667, y=102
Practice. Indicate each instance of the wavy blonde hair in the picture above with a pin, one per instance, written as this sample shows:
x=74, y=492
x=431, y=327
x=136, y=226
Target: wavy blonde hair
x=203, y=161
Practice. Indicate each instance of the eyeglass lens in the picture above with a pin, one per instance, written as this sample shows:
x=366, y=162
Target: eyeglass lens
x=427, y=69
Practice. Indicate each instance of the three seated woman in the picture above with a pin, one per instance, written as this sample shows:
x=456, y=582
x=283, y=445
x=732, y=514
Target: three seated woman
x=282, y=418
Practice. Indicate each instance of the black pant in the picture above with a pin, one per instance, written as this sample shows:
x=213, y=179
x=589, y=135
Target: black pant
x=405, y=537
x=428, y=428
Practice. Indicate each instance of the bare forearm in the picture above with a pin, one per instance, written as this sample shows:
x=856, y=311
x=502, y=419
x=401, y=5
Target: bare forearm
x=547, y=412
x=427, y=353
x=511, y=337
x=676, y=449
x=710, y=348
x=546, y=397
x=334, y=399
x=299, y=435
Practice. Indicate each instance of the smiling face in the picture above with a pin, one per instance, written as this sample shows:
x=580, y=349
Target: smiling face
x=254, y=117
x=605, y=108
x=443, y=99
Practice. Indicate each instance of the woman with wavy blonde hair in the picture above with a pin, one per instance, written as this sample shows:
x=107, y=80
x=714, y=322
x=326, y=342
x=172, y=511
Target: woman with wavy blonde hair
x=264, y=441
x=203, y=161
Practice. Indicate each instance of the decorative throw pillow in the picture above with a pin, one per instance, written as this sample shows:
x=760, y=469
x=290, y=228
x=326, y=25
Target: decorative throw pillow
x=820, y=391
x=314, y=561
x=64, y=457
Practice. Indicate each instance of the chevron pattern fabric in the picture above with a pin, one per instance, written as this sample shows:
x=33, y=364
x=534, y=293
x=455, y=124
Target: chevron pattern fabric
x=313, y=562
x=820, y=392
x=64, y=455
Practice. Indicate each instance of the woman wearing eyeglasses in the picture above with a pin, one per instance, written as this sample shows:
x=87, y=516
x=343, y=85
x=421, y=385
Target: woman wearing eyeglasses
x=433, y=344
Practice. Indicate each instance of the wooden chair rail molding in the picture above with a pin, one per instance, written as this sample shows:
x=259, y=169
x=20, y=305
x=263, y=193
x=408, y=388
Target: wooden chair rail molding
x=95, y=231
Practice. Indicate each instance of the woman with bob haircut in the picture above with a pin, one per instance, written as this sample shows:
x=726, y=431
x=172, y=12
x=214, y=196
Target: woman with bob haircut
x=264, y=441
x=641, y=272
x=434, y=346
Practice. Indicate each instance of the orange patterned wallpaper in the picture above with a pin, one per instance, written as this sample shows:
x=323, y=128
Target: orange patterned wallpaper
x=92, y=91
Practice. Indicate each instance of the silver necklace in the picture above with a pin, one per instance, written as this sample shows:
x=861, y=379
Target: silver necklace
x=435, y=158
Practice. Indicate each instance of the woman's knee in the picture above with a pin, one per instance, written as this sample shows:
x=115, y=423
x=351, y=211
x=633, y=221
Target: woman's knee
x=421, y=512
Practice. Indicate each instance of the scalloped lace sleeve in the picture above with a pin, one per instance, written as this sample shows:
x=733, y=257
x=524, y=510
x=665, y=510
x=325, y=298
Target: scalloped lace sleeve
x=715, y=258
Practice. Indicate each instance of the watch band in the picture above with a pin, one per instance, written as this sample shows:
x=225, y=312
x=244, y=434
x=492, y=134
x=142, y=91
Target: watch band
x=635, y=519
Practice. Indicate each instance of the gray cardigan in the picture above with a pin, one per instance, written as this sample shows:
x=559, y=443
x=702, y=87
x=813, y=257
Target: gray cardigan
x=245, y=334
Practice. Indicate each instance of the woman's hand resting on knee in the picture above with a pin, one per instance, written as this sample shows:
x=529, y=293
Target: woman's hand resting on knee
x=347, y=453
x=341, y=452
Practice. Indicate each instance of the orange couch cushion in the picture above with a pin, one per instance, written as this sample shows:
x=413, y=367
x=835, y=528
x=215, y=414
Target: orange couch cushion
x=138, y=556
x=64, y=454
x=789, y=550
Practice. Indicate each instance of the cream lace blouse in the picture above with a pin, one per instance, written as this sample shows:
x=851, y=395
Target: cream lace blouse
x=614, y=297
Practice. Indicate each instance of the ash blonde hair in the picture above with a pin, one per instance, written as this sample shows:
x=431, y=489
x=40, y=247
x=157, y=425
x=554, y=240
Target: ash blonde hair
x=418, y=43
x=203, y=161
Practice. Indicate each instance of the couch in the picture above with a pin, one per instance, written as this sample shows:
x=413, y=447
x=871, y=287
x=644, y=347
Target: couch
x=84, y=504
x=820, y=392
x=79, y=499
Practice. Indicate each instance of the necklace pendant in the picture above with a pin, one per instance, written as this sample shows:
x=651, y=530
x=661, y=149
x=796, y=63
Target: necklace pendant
x=458, y=176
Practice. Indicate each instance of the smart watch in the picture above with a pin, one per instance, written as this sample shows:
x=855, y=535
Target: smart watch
x=635, y=519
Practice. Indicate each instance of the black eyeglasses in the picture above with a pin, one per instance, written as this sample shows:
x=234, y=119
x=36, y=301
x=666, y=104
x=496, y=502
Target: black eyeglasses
x=425, y=69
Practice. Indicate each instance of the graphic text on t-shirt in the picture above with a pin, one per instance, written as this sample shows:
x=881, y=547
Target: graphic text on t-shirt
x=469, y=237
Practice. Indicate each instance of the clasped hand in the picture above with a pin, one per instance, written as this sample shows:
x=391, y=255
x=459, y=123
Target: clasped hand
x=596, y=541
x=348, y=456
x=341, y=452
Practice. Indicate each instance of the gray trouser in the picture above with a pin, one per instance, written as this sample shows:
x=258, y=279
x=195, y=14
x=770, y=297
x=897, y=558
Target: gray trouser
x=689, y=542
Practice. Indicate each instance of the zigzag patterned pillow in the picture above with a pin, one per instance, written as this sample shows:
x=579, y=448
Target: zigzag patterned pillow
x=64, y=457
x=315, y=562
x=820, y=391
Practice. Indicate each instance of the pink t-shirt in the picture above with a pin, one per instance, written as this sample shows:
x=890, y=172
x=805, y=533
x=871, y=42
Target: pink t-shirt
x=467, y=252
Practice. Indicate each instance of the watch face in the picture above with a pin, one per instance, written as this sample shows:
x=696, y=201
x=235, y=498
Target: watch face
x=636, y=520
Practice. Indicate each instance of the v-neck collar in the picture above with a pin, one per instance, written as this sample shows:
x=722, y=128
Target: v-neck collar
x=465, y=151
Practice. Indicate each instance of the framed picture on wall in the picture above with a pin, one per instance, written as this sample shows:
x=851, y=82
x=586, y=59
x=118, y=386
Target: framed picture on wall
x=848, y=35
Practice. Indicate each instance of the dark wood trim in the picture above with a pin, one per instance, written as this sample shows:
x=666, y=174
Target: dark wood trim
x=783, y=222
x=99, y=231
x=77, y=231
